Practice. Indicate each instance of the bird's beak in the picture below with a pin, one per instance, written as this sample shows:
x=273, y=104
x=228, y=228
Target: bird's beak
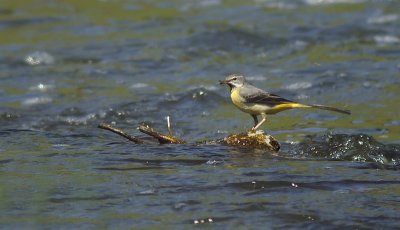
x=221, y=82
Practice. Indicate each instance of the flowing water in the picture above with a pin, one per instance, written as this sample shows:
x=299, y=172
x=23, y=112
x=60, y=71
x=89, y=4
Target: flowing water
x=66, y=66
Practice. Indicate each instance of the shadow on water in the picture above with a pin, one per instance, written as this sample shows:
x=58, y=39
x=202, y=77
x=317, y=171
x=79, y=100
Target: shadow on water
x=78, y=199
x=276, y=186
x=149, y=164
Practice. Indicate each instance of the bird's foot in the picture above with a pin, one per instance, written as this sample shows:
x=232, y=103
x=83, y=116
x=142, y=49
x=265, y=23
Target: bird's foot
x=255, y=131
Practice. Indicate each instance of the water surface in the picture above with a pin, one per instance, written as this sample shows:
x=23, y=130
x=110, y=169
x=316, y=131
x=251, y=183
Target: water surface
x=67, y=66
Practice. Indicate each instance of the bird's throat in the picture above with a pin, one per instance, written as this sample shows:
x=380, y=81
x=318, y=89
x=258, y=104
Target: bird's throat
x=231, y=87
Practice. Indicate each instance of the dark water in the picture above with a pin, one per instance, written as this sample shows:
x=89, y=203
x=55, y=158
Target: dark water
x=67, y=66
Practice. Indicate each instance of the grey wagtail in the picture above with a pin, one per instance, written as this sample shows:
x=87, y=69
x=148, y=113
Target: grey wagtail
x=255, y=101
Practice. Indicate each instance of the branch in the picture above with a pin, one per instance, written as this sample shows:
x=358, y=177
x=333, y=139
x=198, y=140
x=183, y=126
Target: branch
x=163, y=139
x=121, y=133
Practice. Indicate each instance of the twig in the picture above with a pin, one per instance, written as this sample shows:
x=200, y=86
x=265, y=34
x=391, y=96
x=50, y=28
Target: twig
x=121, y=133
x=169, y=126
x=163, y=139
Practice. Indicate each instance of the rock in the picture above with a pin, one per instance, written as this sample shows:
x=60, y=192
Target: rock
x=252, y=140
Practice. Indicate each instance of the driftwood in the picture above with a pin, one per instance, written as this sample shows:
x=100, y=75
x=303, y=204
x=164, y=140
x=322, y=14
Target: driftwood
x=251, y=139
x=162, y=138
x=121, y=133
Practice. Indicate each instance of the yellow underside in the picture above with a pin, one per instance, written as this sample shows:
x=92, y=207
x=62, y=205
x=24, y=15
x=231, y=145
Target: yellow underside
x=282, y=107
x=257, y=109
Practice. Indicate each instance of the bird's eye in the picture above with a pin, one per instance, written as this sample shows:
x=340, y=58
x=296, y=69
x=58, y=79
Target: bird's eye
x=235, y=78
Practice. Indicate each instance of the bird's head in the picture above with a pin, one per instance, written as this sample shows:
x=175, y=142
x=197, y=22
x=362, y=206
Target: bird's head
x=233, y=80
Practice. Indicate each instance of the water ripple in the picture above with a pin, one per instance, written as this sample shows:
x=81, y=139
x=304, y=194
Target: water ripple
x=356, y=147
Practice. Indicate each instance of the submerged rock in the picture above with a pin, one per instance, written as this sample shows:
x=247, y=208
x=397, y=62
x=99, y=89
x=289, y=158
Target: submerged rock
x=252, y=140
x=356, y=147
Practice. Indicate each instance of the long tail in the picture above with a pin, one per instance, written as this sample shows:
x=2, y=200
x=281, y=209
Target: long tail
x=324, y=107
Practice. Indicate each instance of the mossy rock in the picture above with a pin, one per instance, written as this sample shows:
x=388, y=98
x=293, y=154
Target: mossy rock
x=253, y=140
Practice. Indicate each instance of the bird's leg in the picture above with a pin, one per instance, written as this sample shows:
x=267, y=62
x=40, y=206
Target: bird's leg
x=264, y=119
x=255, y=120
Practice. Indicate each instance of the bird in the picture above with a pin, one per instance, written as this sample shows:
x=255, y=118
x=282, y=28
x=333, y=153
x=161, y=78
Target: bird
x=256, y=102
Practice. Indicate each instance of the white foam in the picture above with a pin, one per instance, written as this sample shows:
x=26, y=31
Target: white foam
x=77, y=120
x=139, y=85
x=256, y=78
x=39, y=58
x=298, y=85
x=276, y=4
x=386, y=39
x=42, y=87
x=37, y=101
x=382, y=19
x=318, y=2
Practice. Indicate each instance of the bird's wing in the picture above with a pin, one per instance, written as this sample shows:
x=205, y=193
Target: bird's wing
x=252, y=94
